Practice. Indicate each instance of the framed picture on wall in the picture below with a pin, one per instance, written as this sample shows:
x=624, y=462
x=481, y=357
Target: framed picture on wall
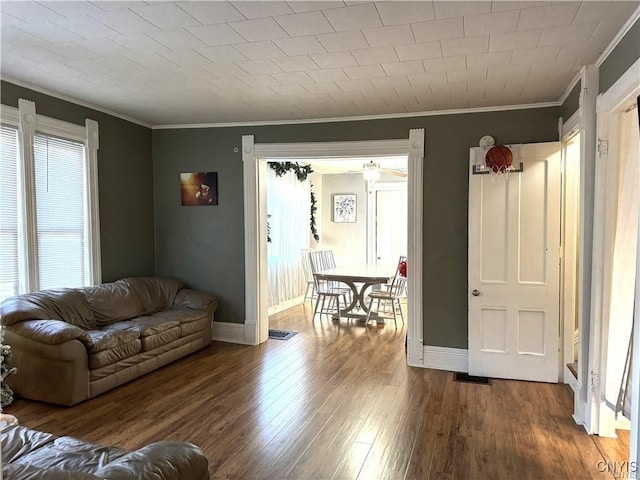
x=198, y=188
x=344, y=207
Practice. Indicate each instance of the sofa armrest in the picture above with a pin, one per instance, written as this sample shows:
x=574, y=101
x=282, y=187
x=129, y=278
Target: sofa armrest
x=50, y=332
x=195, y=300
x=166, y=460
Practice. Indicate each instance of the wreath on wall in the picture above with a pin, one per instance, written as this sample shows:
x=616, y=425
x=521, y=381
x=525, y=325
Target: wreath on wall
x=301, y=172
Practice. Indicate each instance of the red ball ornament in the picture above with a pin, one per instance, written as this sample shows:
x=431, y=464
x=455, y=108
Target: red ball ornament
x=499, y=158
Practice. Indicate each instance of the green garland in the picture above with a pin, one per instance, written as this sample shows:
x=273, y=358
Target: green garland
x=302, y=172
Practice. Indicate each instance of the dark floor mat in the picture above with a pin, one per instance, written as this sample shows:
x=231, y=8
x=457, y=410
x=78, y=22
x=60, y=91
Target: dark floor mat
x=466, y=378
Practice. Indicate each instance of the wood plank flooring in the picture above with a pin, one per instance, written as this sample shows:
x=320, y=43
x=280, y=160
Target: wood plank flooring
x=337, y=401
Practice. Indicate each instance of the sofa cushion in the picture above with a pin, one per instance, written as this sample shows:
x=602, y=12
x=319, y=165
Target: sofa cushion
x=181, y=315
x=154, y=341
x=112, y=355
x=112, y=302
x=145, y=326
x=106, y=339
x=156, y=294
x=66, y=304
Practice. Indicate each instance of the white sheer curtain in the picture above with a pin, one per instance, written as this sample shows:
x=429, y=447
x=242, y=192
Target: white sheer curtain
x=624, y=253
x=288, y=207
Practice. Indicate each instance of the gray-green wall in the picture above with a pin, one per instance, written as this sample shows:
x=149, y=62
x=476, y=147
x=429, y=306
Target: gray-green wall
x=621, y=58
x=571, y=104
x=203, y=246
x=125, y=182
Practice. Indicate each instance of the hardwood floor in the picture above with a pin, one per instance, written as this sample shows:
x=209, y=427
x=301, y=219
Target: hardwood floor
x=337, y=401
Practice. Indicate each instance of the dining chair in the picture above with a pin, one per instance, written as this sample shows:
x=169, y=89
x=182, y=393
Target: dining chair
x=308, y=275
x=328, y=297
x=388, y=298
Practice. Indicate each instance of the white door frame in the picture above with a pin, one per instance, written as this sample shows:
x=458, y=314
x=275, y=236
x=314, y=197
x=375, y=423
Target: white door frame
x=372, y=212
x=609, y=106
x=254, y=157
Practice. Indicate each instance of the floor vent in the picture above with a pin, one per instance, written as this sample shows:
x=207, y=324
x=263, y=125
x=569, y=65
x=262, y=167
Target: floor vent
x=281, y=334
x=466, y=378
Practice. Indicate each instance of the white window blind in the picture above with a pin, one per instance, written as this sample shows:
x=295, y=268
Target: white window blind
x=9, y=273
x=60, y=185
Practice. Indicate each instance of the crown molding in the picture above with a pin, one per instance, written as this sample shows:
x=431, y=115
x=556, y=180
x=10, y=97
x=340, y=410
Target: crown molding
x=616, y=40
x=359, y=118
x=76, y=101
x=573, y=83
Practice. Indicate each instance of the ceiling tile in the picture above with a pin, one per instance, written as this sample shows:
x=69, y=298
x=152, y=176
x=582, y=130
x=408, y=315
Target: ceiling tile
x=29, y=11
x=499, y=42
x=119, y=63
x=397, y=13
x=597, y=11
x=311, y=6
x=150, y=60
x=251, y=9
x=371, y=56
x=390, y=82
x=469, y=75
x=258, y=67
x=71, y=51
x=465, y=46
x=434, y=65
x=551, y=16
x=475, y=25
x=258, y=50
x=179, y=39
x=166, y=15
x=341, y=41
x=72, y=8
x=88, y=66
x=533, y=55
x=328, y=75
x=428, y=78
x=102, y=46
x=322, y=87
x=15, y=36
x=417, y=51
x=49, y=31
x=221, y=54
x=289, y=90
x=296, y=63
x=403, y=68
x=385, y=36
x=259, y=81
x=38, y=54
x=355, y=85
x=224, y=69
x=299, y=45
x=220, y=34
x=302, y=24
x=86, y=26
x=334, y=60
x=7, y=20
x=458, y=9
x=567, y=34
x=480, y=60
x=123, y=21
x=138, y=42
x=209, y=13
x=438, y=30
x=353, y=18
x=293, y=78
x=364, y=72
x=349, y=96
x=515, y=5
x=259, y=29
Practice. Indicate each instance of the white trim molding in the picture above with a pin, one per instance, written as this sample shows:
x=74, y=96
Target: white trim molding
x=255, y=158
x=229, y=332
x=567, y=90
x=444, y=358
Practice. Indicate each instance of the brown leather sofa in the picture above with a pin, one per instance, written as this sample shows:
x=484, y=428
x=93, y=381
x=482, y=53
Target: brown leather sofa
x=70, y=345
x=33, y=455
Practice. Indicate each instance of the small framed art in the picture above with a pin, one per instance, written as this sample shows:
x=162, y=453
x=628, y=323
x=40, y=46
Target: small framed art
x=344, y=207
x=199, y=188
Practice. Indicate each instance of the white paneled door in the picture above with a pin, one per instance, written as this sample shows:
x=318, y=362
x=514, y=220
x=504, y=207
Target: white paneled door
x=514, y=254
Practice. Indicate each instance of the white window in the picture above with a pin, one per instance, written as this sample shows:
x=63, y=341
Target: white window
x=48, y=202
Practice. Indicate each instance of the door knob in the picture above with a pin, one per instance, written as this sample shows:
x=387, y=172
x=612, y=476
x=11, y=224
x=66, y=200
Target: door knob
x=475, y=292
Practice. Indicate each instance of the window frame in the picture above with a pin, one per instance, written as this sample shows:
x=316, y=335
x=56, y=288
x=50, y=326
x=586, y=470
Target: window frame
x=28, y=123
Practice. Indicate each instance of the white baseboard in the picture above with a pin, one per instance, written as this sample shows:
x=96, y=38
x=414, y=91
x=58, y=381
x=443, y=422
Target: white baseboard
x=229, y=332
x=285, y=305
x=444, y=358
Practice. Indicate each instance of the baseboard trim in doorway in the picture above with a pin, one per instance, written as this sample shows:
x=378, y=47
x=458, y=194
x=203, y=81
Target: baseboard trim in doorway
x=445, y=358
x=229, y=332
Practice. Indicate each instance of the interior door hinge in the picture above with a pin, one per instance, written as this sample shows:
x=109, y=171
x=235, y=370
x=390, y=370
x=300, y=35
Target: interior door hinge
x=603, y=148
x=594, y=380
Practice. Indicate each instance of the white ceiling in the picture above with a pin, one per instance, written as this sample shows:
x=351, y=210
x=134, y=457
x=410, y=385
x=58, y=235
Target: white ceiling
x=219, y=62
x=356, y=165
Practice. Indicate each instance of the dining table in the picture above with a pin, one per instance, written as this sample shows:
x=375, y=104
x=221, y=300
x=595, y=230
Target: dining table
x=359, y=278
